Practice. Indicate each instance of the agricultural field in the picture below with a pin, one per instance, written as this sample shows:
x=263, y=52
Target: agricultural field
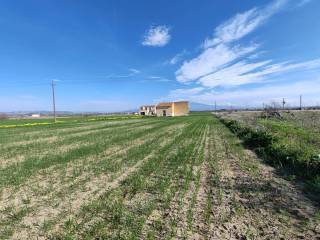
x=144, y=178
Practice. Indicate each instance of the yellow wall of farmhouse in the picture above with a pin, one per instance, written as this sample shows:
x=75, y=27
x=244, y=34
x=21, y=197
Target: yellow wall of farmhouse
x=180, y=108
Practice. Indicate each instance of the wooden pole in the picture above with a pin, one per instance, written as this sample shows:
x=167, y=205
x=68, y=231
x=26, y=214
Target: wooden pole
x=53, y=101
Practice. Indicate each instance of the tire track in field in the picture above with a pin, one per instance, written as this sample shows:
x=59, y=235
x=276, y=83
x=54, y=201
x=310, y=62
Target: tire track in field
x=185, y=214
x=93, y=188
x=199, y=224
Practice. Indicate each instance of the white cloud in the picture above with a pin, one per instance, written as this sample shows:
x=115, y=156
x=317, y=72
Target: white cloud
x=157, y=36
x=218, y=53
x=254, y=96
x=243, y=23
x=243, y=72
x=210, y=60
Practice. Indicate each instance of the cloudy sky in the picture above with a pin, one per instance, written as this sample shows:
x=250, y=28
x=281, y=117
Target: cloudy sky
x=118, y=54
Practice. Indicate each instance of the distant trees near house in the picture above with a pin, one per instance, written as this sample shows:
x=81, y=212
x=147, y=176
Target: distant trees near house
x=3, y=116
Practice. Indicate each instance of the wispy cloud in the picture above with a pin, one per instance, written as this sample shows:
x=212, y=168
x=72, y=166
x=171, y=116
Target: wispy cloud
x=131, y=72
x=243, y=23
x=177, y=58
x=210, y=60
x=243, y=72
x=134, y=71
x=157, y=36
x=155, y=79
x=253, y=96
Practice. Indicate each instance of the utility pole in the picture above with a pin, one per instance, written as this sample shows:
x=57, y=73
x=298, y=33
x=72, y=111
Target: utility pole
x=53, y=101
x=215, y=106
x=283, y=103
x=300, y=102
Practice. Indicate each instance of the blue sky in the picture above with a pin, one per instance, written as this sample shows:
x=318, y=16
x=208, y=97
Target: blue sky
x=117, y=55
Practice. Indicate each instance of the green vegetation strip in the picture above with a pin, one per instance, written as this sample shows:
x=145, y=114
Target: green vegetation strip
x=21, y=135
x=294, y=157
x=46, y=122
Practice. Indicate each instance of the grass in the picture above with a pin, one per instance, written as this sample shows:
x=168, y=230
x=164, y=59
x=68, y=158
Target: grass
x=122, y=178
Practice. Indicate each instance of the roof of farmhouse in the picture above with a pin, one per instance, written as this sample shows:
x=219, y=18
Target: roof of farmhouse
x=148, y=106
x=164, y=104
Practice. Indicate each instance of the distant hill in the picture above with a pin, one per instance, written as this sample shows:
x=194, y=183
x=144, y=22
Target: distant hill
x=204, y=107
x=200, y=107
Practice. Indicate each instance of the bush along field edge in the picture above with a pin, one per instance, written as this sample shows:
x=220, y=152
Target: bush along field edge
x=292, y=161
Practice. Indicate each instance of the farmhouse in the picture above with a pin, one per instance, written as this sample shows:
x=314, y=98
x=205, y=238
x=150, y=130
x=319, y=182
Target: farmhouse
x=166, y=109
x=172, y=109
x=148, y=110
x=35, y=115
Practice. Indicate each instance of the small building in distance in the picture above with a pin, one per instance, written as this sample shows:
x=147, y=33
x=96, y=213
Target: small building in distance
x=172, y=109
x=147, y=110
x=35, y=115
